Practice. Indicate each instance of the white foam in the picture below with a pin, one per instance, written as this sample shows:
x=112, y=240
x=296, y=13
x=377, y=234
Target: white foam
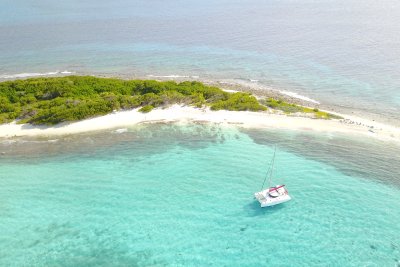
x=122, y=130
x=225, y=82
x=33, y=74
x=173, y=76
x=230, y=91
x=10, y=142
x=295, y=95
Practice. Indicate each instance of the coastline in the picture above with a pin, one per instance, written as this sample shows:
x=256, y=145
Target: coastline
x=254, y=87
x=185, y=114
x=349, y=124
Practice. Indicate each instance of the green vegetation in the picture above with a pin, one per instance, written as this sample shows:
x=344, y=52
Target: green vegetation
x=54, y=100
x=146, y=109
x=61, y=99
x=239, y=102
x=292, y=108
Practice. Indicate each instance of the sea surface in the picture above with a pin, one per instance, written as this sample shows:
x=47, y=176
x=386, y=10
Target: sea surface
x=182, y=195
x=342, y=52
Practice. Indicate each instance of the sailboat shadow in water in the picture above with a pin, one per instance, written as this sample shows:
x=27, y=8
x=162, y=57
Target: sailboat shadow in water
x=253, y=209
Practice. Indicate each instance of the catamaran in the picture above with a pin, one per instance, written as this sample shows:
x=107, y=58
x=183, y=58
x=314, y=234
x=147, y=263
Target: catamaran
x=272, y=195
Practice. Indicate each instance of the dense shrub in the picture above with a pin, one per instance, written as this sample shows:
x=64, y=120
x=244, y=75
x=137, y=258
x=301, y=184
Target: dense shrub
x=238, y=102
x=293, y=108
x=61, y=99
x=146, y=109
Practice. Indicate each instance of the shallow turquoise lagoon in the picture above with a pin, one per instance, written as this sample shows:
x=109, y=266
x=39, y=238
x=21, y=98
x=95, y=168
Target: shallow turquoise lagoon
x=168, y=195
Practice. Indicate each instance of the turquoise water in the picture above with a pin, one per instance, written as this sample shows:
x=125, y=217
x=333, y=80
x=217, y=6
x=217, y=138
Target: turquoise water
x=339, y=52
x=168, y=195
x=183, y=196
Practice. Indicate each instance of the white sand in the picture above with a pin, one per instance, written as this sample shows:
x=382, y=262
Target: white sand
x=184, y=114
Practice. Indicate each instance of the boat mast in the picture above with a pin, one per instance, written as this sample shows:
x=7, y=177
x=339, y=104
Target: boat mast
x=269, y=172
x=272, y=169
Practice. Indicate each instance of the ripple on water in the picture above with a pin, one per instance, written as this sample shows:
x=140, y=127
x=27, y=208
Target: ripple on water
x=149, y=196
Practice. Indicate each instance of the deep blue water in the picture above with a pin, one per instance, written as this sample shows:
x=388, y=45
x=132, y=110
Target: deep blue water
x=339, y=52
x=168, y=195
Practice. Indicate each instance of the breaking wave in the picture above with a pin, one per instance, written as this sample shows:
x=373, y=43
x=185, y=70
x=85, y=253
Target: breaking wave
x=33, y=74
x=122, y=130
x=173, y=76
x=296, y=95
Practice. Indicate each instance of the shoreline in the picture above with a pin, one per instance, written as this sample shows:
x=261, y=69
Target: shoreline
x=350, y=124
x=254, y=87
x=185, y=114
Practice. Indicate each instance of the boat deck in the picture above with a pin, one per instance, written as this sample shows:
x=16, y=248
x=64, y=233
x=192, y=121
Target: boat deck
x=265, y=198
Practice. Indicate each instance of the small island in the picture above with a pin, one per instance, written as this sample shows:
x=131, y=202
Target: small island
x=49, y=106
x=50, y=101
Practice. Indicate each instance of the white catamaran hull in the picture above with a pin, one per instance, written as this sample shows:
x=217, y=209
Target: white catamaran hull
x=266, y=200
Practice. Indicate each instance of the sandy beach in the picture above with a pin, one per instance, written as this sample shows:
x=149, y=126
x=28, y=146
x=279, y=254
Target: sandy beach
x=185, y=114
